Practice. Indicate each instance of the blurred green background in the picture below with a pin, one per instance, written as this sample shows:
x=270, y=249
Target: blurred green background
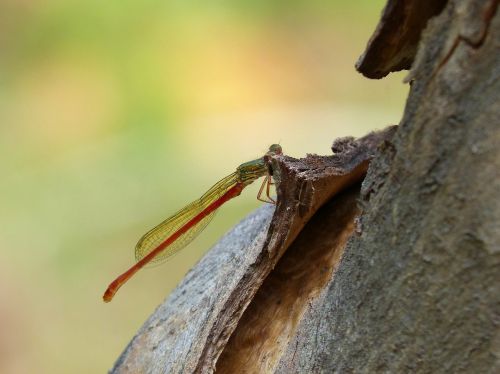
x=114, y=114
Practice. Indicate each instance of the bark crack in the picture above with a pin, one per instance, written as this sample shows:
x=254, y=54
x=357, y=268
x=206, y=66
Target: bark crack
x=488, y=15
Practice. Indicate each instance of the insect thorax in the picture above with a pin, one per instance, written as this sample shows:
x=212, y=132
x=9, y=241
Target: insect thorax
x=252, y=170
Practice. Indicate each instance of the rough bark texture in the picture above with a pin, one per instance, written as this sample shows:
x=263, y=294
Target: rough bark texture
x=419, y=289
x=399, y=274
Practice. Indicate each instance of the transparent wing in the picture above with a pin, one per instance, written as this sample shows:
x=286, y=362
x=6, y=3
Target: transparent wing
x=153, y=238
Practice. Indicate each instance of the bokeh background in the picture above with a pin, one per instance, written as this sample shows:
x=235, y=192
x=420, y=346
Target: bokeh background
x=114, y=114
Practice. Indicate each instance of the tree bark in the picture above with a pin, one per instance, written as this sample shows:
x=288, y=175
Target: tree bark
x=419, y=289
x=393, y=270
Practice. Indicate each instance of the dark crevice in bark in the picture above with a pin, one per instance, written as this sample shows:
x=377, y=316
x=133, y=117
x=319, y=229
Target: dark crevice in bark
x=270, y=320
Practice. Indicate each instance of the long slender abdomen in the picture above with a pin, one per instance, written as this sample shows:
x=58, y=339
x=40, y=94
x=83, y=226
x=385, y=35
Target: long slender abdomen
x=120, y=280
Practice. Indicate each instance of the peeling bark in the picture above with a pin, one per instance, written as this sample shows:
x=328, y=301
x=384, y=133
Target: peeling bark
x=394, y=43
x=264, y=331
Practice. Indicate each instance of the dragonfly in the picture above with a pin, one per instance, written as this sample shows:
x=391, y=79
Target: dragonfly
x=177, y=231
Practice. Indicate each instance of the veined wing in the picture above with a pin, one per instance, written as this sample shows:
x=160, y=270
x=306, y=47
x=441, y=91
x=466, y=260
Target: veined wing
x=153, y=238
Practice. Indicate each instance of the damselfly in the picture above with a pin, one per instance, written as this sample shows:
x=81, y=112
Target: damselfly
x=179, y=230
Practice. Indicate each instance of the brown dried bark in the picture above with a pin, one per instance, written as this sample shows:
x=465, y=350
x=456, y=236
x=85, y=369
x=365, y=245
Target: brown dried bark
x=394, y=43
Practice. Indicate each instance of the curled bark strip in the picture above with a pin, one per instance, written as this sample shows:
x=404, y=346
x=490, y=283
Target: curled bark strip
x=394, y=43
x=269, y=323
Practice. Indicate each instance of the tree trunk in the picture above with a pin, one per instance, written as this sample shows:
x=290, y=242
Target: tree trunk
x=398, y=274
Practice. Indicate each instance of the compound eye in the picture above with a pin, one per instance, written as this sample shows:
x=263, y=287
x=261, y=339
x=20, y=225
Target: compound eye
x=275, y=149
